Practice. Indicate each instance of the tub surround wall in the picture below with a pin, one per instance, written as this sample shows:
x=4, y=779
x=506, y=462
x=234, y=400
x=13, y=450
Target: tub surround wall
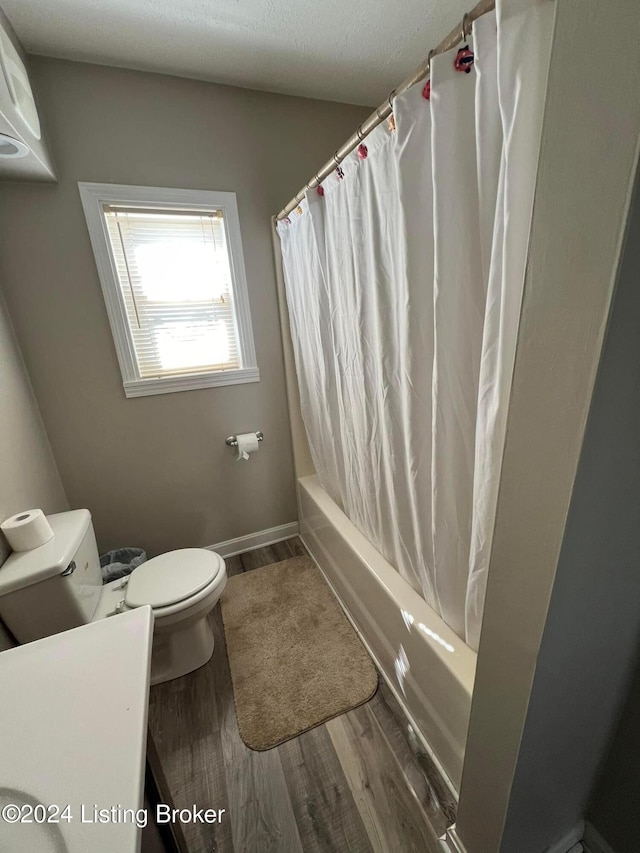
x=155, y=471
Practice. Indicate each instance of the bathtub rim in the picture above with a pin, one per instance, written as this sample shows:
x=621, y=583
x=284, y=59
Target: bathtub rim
x=383, y=674
x=460, y=666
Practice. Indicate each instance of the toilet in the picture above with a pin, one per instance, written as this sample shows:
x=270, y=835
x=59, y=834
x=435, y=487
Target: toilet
x=59, y=586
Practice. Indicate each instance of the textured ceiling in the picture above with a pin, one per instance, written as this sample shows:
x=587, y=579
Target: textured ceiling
x=354, y=52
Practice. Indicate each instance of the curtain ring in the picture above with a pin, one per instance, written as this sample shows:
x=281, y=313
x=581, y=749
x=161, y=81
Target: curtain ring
x=466, y=30
x=336, y=159
x=317, y=180
x=359, y=133
x=430, y=56
x=378, y=114
x=391, y=94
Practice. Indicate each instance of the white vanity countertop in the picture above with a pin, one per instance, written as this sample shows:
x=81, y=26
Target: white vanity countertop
x=73, y=730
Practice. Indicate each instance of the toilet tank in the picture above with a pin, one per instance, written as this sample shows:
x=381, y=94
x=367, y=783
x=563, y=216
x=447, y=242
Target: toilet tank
x=56, y=586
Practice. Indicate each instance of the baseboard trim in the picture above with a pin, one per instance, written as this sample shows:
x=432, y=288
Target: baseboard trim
x=594, y=842
x=570, y=843
x=450, y=842
x=231, y=547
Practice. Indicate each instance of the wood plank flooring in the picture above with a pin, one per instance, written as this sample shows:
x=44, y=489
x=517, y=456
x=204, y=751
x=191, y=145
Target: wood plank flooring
x=357, y=783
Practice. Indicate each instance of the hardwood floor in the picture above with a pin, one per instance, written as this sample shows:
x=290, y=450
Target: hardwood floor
x=358, y=783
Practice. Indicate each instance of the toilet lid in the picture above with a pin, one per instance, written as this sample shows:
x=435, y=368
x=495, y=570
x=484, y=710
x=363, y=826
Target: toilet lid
x=172, y=577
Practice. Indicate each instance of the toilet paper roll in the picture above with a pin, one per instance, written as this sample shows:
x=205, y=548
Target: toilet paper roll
x=27, y=530
x=247, y=443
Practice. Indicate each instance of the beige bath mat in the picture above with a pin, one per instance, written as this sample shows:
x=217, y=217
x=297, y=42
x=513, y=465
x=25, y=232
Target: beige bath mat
x=295, y=660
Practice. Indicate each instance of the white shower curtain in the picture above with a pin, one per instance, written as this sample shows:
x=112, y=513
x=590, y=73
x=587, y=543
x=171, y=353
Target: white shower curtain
x=404, y=283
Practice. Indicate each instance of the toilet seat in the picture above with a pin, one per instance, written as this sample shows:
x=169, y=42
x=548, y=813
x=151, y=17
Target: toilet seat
x=172, y=577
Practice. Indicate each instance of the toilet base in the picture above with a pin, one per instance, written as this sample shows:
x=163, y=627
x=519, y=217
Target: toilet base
x=180, y=650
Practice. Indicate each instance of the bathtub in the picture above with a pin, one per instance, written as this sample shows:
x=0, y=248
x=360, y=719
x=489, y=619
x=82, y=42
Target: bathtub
x=427, y=666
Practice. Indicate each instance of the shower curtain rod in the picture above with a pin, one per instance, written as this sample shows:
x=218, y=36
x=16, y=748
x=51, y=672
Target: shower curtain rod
x=457, y=35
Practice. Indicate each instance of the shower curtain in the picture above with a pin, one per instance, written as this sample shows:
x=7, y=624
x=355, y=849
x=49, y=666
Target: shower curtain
x=404, y=276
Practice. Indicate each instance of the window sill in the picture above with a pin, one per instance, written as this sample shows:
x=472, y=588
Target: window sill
x=171, y=384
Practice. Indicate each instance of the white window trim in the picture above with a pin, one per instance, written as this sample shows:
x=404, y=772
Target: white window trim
x=93, y=197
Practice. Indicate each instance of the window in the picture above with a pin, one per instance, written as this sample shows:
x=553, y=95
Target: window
x=172, y=274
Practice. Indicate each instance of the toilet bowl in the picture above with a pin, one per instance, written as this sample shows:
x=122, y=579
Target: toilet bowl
x=59, y=586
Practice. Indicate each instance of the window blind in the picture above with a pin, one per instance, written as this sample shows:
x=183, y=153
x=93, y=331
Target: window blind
x=175, y=278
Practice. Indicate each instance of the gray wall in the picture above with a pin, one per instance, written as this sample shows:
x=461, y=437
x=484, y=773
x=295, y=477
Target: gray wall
x=592, y=635
x=155, y=471
x=614, y=808
x=28, y=474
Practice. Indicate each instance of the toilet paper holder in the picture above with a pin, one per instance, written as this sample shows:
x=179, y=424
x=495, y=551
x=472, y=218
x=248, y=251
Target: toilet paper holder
x=232, y=441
